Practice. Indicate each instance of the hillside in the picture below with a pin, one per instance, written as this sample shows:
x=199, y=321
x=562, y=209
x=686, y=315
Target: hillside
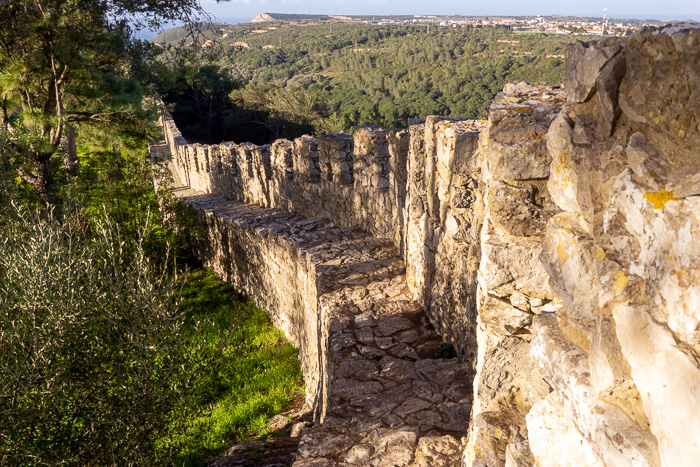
x=354, y=74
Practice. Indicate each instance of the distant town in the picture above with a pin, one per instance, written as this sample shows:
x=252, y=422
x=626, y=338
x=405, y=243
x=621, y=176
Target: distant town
x=556, y=24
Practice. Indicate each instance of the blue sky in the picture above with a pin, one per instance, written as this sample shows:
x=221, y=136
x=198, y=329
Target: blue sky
x=657, y=9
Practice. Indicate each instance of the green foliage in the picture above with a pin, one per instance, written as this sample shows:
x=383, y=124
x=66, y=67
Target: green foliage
x=354, y=74
x=106, y=360
x=259, y=373
x=103, y=361
x=12, y=190
x=119, y=185
x=198, y=98
x=66, y=64
x=92, y=355
x=283, y=112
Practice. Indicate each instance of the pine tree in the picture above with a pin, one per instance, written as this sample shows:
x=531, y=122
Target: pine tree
x=67, y=65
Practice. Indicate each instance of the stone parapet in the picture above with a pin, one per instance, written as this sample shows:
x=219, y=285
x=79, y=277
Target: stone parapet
x=378, y=389
x=417, y=188
x=555, y=246
x=512, y=284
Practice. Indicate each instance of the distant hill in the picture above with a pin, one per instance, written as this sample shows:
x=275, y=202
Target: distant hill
x=266, y=17
x=181, y=32
x=353, y=73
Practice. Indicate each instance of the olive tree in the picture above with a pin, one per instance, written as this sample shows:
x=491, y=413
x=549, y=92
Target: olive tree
x=94, y=363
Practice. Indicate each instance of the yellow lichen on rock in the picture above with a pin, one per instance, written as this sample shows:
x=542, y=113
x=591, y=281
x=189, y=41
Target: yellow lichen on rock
x=599, y=254
x=562, y=252
x=659, y=198
x=621, y=280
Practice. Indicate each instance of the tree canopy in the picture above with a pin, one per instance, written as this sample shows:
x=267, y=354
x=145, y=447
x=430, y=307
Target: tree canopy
x=354, y=74
x=69, y=69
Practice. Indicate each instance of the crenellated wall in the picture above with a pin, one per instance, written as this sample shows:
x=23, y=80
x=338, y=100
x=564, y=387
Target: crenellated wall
x=556, y=245
x=416, y=188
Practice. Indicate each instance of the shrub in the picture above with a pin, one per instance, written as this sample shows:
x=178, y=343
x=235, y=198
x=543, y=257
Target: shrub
x=92, y=361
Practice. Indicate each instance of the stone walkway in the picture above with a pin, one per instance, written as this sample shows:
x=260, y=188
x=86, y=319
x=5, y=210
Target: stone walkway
x=393, y=401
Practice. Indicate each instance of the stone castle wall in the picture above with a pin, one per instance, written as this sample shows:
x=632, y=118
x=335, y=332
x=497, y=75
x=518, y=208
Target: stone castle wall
x=555, y=245
x=413, y=187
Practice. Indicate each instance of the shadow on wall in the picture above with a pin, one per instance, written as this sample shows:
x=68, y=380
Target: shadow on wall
x=411, y=187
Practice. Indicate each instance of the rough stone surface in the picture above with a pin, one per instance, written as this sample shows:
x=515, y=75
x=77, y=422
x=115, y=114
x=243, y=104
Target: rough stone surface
x=512, y=284
x=623, y=256
x=659, y=94
x=585, y=60
x=661, y=246
x=379, y=393
x=518, y=122
x=669, y=382
x=614, y=437
x=554, y=439
x=555, y=246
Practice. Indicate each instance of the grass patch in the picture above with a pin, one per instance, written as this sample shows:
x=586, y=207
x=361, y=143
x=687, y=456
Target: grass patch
x=257, y=373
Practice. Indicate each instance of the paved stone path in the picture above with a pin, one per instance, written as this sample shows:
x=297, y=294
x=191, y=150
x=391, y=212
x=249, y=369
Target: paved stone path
x=393, y=401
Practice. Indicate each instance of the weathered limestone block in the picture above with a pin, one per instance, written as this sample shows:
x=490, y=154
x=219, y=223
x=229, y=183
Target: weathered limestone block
x=655, y=236
x=569, y=257
x=583, y=172
x=585, y=60
x=372, y=195
x=585, y=161
x=518, y=122
x=659, y=94
x=433, y=126
x=518, y=454
x=490, y=433
x=520, y=209
x=416, y=253
x=668, y=377
x=563, y=177
x=194, y=156
x=204, y=169
x=508, y=267
x=399, y=141
x=607, y=89
x=282, y=164
x=647, y=162
x=282, y=160
x=460, y=209
x=306, y=164
x=502, y=319
x=510, y=380
x=513, y=286
x=336, y=158
x=506, y=384
x=614, y=437
x=256, y=174
x=554, y=439
x=610, y=372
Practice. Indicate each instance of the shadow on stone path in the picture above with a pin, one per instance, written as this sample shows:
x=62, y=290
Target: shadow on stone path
x=392, y=401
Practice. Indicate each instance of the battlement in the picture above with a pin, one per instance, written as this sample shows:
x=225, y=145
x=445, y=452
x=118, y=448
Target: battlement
x=554, y=245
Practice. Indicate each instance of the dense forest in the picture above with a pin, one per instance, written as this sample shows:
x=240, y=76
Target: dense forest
x=330, y=76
